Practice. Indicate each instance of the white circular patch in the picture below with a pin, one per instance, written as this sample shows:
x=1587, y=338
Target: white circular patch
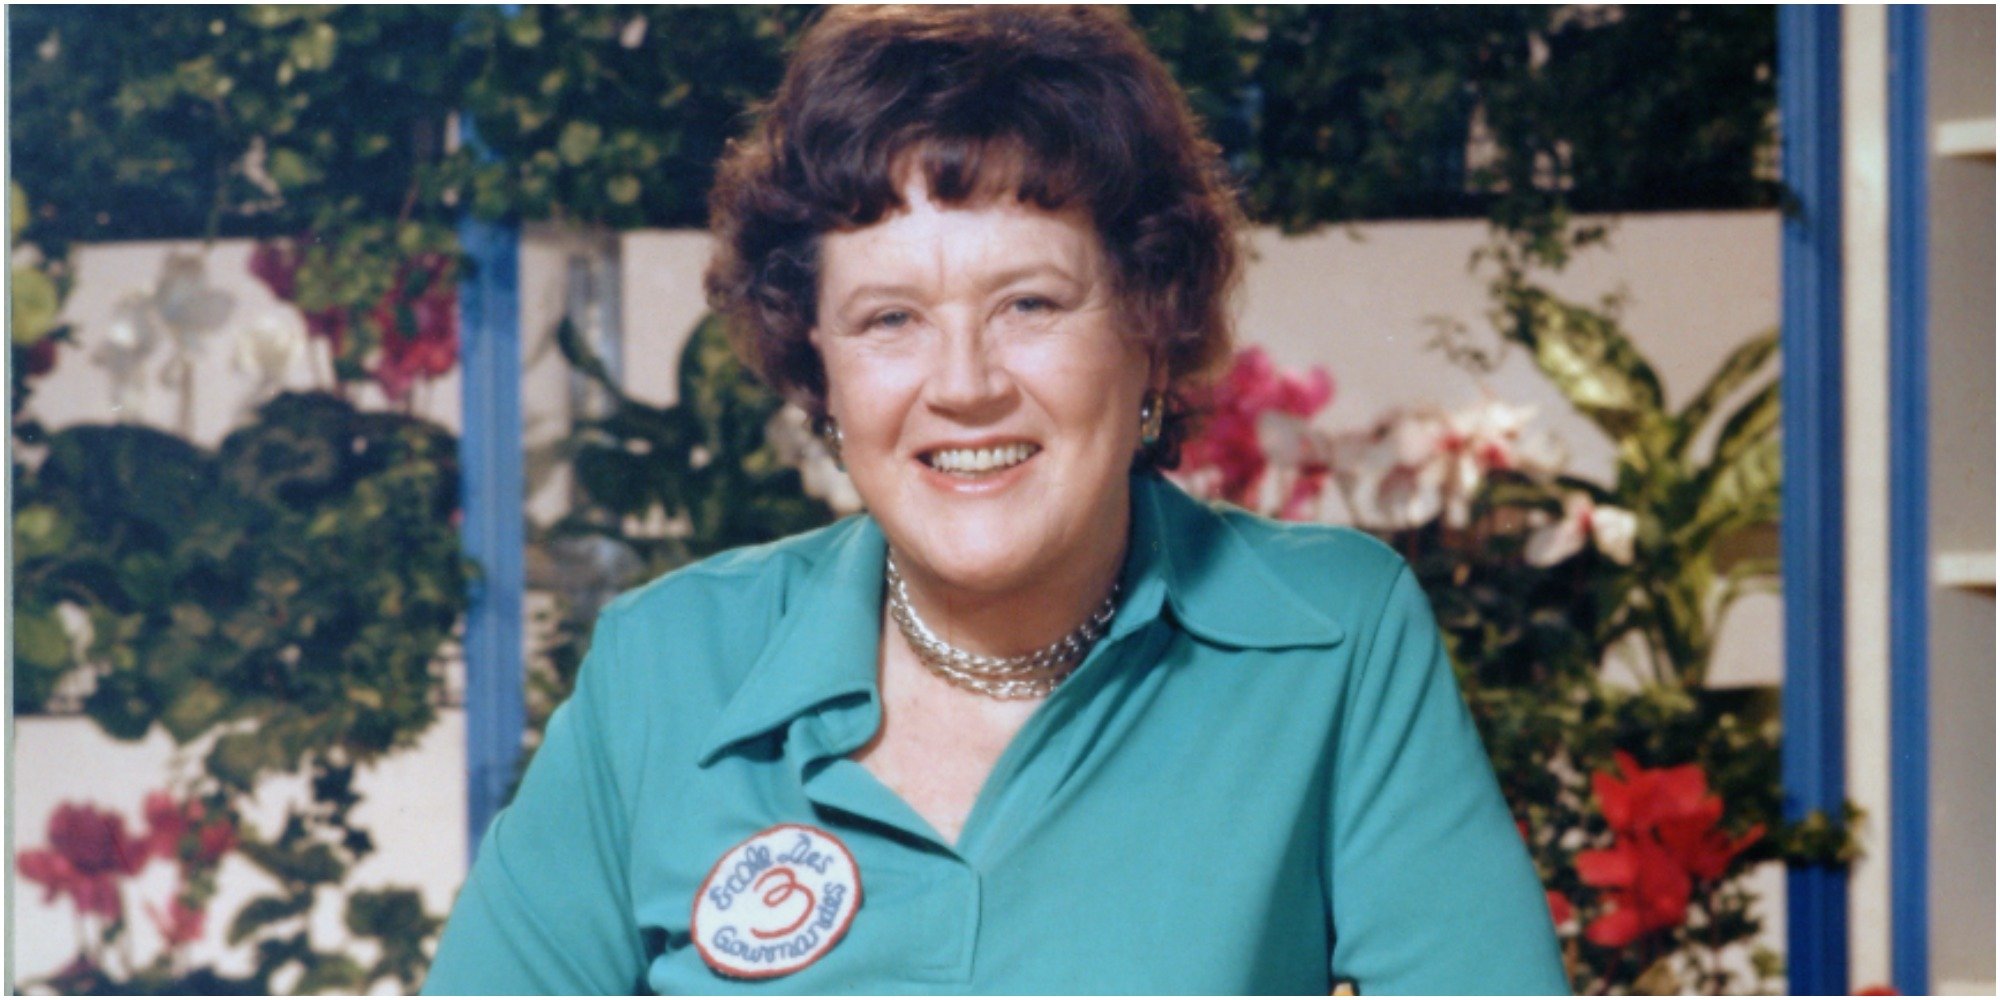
x=776, y=902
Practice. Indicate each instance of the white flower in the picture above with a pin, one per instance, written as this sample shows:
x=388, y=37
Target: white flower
x=129, y=339
x=267, y=346
x=186, y=303
x=1612, y=529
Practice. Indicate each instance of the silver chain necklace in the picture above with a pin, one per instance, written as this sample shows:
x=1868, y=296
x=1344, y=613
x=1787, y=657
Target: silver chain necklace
x=1011, y=678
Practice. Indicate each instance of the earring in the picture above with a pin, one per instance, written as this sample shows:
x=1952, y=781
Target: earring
x=1152, y=413
x=827, y=430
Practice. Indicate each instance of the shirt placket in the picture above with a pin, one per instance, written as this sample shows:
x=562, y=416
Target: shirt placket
x=921, y=900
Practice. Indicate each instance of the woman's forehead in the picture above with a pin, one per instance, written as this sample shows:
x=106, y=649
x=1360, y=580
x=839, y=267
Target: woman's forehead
x=988, y=239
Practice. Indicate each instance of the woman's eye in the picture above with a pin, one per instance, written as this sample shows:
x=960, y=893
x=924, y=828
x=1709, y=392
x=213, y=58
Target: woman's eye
x=891, y=320
x=1033, y=304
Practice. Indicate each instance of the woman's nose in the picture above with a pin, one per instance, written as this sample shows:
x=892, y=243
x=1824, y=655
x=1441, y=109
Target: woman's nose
x=967, y=380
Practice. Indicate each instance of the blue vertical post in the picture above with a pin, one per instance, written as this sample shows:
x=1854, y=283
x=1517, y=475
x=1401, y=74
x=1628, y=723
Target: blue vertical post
x=1909, y=503
x=492, y=484
x=1812, y=528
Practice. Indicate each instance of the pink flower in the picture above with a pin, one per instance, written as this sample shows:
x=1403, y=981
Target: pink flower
x=1614, y=530
x=1254, y=409
x=276, y=263
x=89, y=853
x=94, y=841
x=418, y=321
x=169, y=823
x=180, y=923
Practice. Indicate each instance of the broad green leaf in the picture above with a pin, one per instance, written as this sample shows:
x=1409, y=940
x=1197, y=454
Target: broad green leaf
x=312, y=864
x=32, y=306
x=313, y=49
x=17, y=211
x=265, y=911
x=198, y=706
x=1756, y=420
x=1738, y=369
x=290, y=169
x=1740, y=492
x=578, y=142
x=239, y=758
x=40, y=639
x=1591, y=361
x=523, y=29
x=39, y=531
x=332, y=974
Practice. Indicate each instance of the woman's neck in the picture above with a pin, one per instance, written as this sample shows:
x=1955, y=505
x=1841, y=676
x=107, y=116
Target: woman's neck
x=1025, y=618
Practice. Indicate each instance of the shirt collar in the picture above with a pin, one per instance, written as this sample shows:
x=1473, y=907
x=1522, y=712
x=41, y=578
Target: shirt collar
x=1185, y=556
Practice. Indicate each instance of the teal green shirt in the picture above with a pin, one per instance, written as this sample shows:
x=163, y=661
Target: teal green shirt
x=1262, y=778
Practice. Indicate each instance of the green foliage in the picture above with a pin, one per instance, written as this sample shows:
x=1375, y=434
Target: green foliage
x=35, y=291
x=705, y=468
x=267, y=121
x=615, y=115
x=1690, y=507
x=294, y=586
x=1533, y=641
x=212, y=120
x=288, y=594
x=1523, y=114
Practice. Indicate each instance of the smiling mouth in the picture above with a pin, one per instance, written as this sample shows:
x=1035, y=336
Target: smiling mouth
x=979, y=461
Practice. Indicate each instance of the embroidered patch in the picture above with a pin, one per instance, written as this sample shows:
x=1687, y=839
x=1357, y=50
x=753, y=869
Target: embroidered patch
x=776, y=902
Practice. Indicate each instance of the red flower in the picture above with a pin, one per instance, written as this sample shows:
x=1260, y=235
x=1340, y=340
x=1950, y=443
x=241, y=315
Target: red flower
x=94, y=841
x=1647, y=890
x=180, y=924
x=41, y=357
x=418, y=321
x=1230, y=443
x=1664, y=840
x=1559, y=909
x=276, y=264
x=169, y=823
x=89, y=852
x=166, y=823
x=217, y=839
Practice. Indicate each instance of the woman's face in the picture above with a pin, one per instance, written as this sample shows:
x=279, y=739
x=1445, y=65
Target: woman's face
x=987, y=394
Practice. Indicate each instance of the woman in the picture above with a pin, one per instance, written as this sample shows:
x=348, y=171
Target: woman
x=1038, y=722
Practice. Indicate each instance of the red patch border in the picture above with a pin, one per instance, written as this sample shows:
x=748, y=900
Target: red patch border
x=694, y=930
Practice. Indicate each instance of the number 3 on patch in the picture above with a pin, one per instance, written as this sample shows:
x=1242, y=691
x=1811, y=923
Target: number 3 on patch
x=776, y=902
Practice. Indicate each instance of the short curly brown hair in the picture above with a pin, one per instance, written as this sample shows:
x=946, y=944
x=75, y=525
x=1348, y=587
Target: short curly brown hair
x=1065, y=105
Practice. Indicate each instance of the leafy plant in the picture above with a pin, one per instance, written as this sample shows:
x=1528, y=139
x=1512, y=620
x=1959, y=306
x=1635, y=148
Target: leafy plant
x=664, y=486
x=281, y=601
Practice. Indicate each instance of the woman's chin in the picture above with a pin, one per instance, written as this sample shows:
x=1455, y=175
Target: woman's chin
x=978, y=565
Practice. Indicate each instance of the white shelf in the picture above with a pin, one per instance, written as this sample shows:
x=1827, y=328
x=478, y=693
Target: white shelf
x=1966, y=570
x=1966, y=138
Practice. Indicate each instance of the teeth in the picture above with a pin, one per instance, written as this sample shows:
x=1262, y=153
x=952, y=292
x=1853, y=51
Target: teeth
x=977, y=460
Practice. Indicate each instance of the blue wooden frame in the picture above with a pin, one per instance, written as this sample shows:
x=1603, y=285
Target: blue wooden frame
x=1909, y=501
x=1812, y=521
x=494, y=490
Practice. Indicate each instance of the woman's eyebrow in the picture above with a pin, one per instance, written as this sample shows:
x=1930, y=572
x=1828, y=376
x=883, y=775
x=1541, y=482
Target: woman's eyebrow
x=1039, y=269
x=864, y=293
